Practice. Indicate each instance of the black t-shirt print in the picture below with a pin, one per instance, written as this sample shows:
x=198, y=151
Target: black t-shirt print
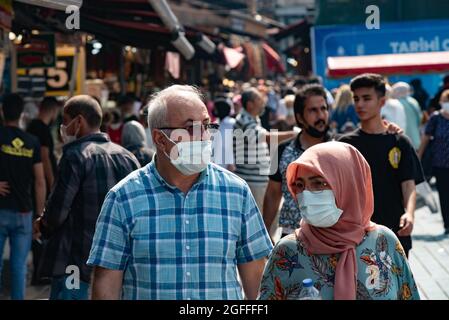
x=393, y=160
x=19, y=152
x=42, y=132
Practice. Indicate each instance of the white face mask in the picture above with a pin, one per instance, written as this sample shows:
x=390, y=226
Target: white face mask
x=66, y=139
x=319, y=209
x=193, y=156
x=445, y=106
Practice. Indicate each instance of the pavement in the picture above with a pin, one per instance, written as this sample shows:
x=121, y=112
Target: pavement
x=429, y=259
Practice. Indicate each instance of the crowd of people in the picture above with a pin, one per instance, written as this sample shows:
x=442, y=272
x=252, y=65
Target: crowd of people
x=168, y=199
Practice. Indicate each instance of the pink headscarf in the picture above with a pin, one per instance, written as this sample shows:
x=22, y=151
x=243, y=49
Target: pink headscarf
x=349, y=176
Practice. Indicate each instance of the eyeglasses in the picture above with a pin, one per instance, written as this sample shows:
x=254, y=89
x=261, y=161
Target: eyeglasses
x=315, y=186
x=190, y=129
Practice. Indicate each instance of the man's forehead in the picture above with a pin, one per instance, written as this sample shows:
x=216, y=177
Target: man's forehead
x=364, y=91
x=186, y=109
x=315, y=101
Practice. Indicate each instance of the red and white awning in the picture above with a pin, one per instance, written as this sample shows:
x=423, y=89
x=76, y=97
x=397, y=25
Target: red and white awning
x=273, y=60
x=233, y=56
x=386, y=64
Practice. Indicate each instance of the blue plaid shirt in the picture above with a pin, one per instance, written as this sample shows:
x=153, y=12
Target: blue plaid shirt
x=175, y=246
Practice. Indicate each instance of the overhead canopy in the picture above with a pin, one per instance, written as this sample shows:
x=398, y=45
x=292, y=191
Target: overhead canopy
x=131, y=22
x=273, y=60
x=54, y=4
x=300, y=29
x=388, y=64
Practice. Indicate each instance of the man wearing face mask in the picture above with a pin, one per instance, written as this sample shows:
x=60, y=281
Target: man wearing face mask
x=251, y=153
x=90, y=166
x=179, y=228
x=312, y=115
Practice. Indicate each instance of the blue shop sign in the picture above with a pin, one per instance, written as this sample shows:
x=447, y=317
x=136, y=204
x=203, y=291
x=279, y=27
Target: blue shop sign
x=403, y=37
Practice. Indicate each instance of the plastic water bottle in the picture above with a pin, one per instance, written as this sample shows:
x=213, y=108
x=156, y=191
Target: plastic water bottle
x=309, y=292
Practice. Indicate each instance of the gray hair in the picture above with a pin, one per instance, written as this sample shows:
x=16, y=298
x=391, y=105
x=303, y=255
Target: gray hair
x=157, y=107
x=401, y=90
x=133, y=134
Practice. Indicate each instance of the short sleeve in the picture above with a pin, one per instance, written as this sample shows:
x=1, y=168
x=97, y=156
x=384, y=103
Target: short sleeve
x=261, y=131
x=45, y=140
x=410, y=166
x=110, y=246
x=277, y=176
x=40, y=133
x=431, y=125
x=37, y=152
x=254, y=242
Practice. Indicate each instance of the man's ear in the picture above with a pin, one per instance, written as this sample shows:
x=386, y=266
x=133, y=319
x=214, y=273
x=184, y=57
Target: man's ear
x=82, y=123
x=249, y=106
x=158, y=139
x=382, y=101
x=299, y=119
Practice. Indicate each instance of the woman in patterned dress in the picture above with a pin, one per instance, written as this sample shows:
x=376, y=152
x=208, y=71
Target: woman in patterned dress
x=337, y=245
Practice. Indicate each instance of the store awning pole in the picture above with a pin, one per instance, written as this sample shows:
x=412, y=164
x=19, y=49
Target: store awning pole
x=13, y=53
x=122, y=72
x=171, y=22
x=74, y=71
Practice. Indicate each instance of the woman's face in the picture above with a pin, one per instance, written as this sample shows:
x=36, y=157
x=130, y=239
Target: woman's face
x=444, y=99
x=310, y=181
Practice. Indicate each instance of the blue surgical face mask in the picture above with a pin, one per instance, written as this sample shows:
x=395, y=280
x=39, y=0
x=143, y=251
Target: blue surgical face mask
x=193, y=156
x=319, y=208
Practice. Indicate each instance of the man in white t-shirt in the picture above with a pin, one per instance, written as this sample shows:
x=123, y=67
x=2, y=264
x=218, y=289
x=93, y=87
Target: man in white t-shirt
x=393, y=110
x=223, y=154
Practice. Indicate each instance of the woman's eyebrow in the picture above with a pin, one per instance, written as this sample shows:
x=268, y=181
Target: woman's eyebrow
x=316, y=178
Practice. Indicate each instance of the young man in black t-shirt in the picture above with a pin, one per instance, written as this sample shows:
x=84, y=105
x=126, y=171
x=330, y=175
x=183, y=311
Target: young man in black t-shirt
x=20, y=168
x=40, y=128
x=394, y=163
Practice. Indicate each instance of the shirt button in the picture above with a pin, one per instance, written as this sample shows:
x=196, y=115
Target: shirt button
x=188, y=274
x=188, y=247
x=187, y=221
x=189, y=299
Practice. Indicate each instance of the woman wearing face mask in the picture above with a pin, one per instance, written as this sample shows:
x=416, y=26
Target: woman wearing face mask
x=345, y=254
x=438, y=129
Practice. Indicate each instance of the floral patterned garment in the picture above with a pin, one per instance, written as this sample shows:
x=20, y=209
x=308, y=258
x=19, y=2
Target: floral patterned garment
x=383, y=270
